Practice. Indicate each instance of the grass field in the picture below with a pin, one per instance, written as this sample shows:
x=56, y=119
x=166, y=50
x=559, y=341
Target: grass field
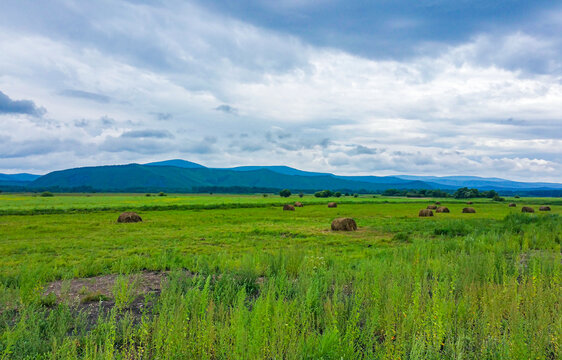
x=235, y=277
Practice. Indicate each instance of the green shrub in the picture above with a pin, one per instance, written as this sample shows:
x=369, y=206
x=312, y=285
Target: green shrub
x=323, y=194
x=285, y=193
x=94, y=297
x=48, y=300
x=401, y=236
x=161, y=194
x=124, y=292
x=47, y=194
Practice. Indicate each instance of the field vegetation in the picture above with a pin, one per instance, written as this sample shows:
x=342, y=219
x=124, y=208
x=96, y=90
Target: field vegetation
x=236, y=277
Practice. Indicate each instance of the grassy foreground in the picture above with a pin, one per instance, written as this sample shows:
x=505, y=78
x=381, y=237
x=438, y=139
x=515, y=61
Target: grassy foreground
x=255, y=282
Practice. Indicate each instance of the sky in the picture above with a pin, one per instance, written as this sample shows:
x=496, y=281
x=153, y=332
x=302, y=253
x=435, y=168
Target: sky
x=354, y=88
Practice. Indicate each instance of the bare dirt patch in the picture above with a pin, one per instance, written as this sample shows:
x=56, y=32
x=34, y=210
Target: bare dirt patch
x=95, y=296
x=77, y=291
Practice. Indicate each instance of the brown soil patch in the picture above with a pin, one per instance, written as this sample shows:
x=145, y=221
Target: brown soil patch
x=77, y=291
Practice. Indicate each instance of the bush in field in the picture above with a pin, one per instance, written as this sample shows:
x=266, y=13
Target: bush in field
x=285, y=193
x=147, y=195
x=337, y=194
x=264, y=195
x=46, y=194
x=301, y=194
x=355, y=195
x=323, y=194
x=498, y=198
x=161, y=194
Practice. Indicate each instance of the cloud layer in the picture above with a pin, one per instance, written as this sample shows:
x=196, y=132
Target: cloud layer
x=135, y=82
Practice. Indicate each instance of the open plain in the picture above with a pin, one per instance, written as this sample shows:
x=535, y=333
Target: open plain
x=220, y=276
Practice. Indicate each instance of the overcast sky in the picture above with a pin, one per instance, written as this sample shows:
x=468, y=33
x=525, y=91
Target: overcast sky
x=350, y=87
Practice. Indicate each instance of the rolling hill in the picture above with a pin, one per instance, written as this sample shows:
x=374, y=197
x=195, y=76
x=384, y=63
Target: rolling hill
x=135, y=177
x=177, y=163
x=184, y=176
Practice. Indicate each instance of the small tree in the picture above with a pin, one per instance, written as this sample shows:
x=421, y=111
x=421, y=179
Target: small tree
x=47, y=194
x=355, y=195
x=264, y=195
x=301, y=194
x=285, y=193
x=161, y=194
x=337, y=194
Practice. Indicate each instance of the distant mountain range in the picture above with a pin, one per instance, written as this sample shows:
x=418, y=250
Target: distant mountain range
x=185, y=176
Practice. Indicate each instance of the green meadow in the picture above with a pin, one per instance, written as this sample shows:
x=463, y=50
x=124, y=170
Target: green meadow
x=236, y=277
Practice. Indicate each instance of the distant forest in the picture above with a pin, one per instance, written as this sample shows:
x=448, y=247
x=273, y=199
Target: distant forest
x=461, y=193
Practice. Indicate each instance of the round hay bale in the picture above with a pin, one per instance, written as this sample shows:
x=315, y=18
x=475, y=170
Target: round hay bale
x=512, y=204
x=298, y=204
x=332, y=205
x=344, y=224
x=442, y=209
x=544, y=208
x=288, y=207
x=527, y=209
x=468, y=210
x=437, y=203
x=432, y=207
x=469, y=203
x=425, y=212
x=129, y=217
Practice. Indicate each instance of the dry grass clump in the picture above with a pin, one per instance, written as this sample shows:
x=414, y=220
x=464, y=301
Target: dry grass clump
x=425, y=212
x=332, y=205
x=344, y=224
x=288, y=207
x=468, y=210
x=129, y=217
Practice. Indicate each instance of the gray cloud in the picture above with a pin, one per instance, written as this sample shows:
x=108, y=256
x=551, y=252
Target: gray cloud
x=163, y=116
x=28, y=107
x=136, y=145
x=205, y=146
x=363, y=150
x=21, y=149
x=85, y=95
x=227, y=109
x=148, y=133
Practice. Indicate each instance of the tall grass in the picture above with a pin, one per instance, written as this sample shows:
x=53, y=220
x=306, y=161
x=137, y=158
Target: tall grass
x=469, y=293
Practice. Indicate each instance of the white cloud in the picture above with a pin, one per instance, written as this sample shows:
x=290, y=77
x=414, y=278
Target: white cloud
x=470, y=109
